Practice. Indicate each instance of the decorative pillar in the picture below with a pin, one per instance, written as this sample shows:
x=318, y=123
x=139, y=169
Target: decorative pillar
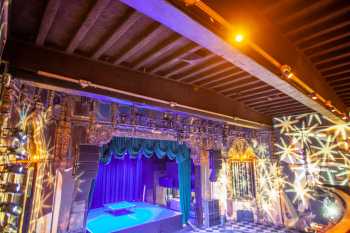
x=63, y=135
x=195, y=153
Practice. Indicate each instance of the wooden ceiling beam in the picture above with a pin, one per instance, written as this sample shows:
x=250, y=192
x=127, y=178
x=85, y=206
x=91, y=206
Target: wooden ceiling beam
x=331, y=59
x=238, y=92
x=108, y=82
x=233, y=88
x=140, y=44
x=337, y=73
x=345, y=93
x=274, y=6
x=264, y=101
x=203, y=69
x=331, y=49
x=88, y=23
x=318, y=21
x=261, y=89
x=331, y=69
x=308, y=41
x=172, y=17
x=173, y=43
x=277, y=107
x=283, y=109
x=303, y=12
x=267, y=99
x=234, y=75
x=334, y=62
x=117, y=34
x=342, y=86
x=288, y=112
x=230, y=68
x=325, y=44
x=258, y=94
x=175, y=58
x=47, y=20
x=188, y=66
x=252, y=90
x=339, y=79
x=341, y=92
x=233, y=79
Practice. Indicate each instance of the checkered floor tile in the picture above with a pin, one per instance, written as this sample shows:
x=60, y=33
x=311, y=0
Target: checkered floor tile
x=242, y=228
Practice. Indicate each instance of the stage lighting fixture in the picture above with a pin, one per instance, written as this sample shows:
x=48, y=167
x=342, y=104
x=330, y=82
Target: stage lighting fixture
x=286, y=71
x=313, y=96
x=239, y=38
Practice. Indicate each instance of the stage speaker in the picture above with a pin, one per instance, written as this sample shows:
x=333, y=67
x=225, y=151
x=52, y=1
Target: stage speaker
x=211, y=213
x=84, y=173
x=86, y=162
x=215, y=164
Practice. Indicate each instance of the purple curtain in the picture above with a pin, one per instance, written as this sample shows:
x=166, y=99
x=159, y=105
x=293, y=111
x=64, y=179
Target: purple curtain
x=121, y=179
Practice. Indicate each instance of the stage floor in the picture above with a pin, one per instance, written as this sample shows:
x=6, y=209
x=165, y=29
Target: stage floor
x=241, y=227
x=143, y=217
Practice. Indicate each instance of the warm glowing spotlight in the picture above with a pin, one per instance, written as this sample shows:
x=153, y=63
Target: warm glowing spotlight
x=290, y=75
x=239, y=38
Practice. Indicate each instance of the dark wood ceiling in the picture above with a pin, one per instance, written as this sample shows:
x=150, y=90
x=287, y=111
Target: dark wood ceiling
x=320, y=29
x=107, y=30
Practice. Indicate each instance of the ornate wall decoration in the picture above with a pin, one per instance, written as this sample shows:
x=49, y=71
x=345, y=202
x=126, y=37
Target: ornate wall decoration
x=240, y=150
x=100, y=134
x=62, y=138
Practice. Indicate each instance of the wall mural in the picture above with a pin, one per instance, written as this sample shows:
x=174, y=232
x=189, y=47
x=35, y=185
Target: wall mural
x=314, y=157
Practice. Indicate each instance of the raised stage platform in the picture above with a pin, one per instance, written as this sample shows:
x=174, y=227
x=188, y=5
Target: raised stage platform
x=141, y=218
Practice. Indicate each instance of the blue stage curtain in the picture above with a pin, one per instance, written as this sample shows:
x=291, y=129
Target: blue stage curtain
x=120, y=146
x=121, y=179
x=184, y=168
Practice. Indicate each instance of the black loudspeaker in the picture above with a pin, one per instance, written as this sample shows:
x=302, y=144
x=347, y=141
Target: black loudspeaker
x=86, y=163
x=84, y=173
x=215, y=164
x=212, y=212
